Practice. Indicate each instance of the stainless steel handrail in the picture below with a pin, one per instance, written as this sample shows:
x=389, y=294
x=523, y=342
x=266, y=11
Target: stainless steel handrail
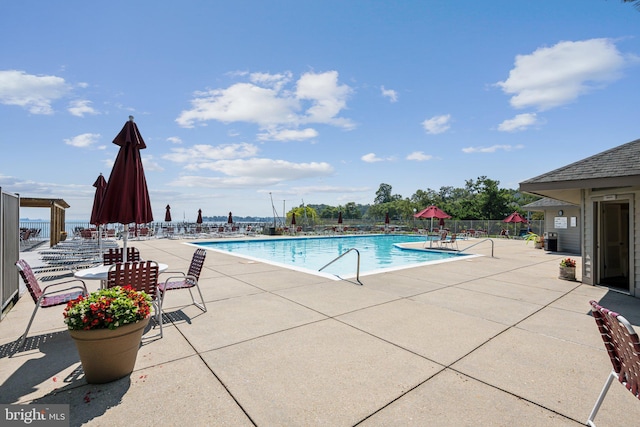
x=340, y=256
x=477, y=243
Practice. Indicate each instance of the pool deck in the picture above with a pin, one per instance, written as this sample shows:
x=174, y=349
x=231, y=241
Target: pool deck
x=485, y=341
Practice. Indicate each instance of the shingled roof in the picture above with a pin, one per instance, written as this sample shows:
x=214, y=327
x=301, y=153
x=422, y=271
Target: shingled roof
x=617, y=167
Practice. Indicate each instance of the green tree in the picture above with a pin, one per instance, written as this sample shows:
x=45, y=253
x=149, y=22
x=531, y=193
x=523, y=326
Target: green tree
x=383, y=195
x=351, y=211
x=304, y=215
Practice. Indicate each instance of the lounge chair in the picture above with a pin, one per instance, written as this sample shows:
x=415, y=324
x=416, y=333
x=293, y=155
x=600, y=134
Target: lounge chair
x=623, y=347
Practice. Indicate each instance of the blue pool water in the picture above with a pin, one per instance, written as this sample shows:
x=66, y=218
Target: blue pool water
x=377, y=253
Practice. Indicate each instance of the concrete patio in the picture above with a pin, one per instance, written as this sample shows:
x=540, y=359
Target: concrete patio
x=487, y=341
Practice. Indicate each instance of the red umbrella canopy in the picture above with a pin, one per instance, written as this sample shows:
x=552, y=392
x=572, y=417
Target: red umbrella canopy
x=126, y=198
x=432, y=212
x=167, y=214
x=340, y=217
x=515, y=217
x=230, y=219
x=293, y=218
x=98, y=198
x=199, y=220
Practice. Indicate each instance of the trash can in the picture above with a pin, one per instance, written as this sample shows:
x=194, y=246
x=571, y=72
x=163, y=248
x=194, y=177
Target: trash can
x=550, y=241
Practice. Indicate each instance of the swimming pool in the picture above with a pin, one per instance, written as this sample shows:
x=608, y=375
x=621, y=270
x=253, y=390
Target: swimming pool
x=378, y=253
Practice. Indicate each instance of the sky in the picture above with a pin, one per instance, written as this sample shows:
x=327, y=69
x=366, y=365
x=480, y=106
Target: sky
x=254, y=105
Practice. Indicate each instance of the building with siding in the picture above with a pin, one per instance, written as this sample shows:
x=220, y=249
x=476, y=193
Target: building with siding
x=606, y=188
x=562, y=218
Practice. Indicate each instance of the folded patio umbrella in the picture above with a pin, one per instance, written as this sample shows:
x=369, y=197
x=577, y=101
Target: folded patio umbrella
x=126, y=198
x=167, y=214
x=199, y=219
x=98, y=198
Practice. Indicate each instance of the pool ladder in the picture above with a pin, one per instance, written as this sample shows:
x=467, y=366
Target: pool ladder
x=340, y=256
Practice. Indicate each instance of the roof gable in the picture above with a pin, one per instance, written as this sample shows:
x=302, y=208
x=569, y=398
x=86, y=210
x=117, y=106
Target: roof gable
x=618, y=162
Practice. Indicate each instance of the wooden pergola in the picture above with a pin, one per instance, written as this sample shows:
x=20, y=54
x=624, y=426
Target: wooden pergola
x=57, y=207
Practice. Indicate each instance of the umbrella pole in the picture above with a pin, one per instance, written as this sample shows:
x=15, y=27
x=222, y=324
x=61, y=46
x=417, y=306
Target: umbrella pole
x=125, y=236
x=100, y=238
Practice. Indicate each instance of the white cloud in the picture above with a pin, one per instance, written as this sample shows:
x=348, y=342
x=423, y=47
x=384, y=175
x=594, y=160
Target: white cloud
x=557, y=75
x=149, y=164
x=328, y=98
x=253, y=172
x=288, y=134
x=81, y=107
x=201, y=152
x=316, y=98
x=437, y=124
x=174, y=140
x=314, y=189
x=35, y=93
x=371, y=158
x=419, y=156
x=492, y=149
x=389, y=93
x=276, y=81
x=281, y=170
x=519, y=122
x=84, y=140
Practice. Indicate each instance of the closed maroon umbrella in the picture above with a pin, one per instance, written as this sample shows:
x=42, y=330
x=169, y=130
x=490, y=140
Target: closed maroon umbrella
x=199, y=220
x=167, y=214
x=386, y=218
x=293, y=218
x=98, y=198
x=230, y=219
x=126, y=198
x=340, y=217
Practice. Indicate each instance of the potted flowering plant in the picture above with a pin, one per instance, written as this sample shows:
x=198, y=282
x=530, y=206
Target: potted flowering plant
x=538, y=241
x=567, y=269
x=107, y=327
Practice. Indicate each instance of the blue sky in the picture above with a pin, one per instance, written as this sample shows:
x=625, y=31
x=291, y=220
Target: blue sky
x=322, y=101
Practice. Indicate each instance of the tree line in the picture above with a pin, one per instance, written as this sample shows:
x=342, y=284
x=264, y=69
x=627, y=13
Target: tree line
x=480, y=199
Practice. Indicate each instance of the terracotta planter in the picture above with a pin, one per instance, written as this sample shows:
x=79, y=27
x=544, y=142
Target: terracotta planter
x=567, y=273
x=107, y=354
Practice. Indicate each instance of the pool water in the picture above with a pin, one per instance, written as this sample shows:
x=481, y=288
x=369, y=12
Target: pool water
x=378, y=253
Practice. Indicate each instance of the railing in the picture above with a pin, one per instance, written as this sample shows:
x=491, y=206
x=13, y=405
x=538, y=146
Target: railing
x=477, y=243
x=340, y=256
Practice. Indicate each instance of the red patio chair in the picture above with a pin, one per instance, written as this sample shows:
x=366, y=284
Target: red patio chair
x=180, y=280
x=114, y=255
x=141, y=276
x=623, y=346
x=49, y=296
x=449, y=242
